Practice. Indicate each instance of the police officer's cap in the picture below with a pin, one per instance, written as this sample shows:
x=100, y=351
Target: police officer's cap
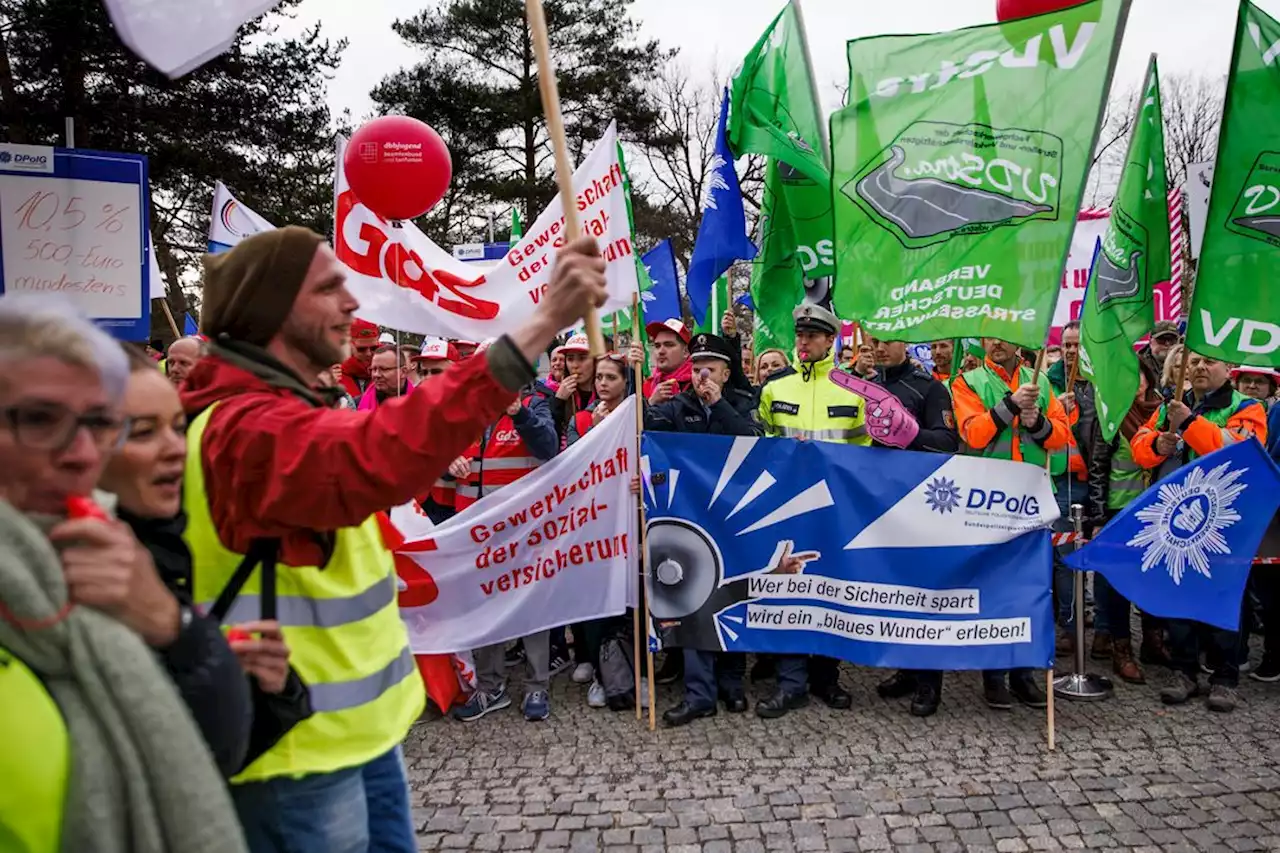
x=711, y=346
x=815, y=318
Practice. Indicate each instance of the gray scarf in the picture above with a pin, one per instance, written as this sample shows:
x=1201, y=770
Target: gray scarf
x=141, y=780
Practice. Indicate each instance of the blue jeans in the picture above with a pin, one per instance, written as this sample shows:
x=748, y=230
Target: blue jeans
x=361, y=809
x=704, y=671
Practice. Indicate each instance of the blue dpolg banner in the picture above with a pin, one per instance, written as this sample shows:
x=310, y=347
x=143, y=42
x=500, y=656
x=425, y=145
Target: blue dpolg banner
x=908, y=560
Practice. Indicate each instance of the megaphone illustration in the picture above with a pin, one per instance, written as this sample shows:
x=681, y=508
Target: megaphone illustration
x=686, y=568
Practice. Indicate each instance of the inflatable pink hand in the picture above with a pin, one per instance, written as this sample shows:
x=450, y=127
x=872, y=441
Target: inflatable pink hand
x=888, y=421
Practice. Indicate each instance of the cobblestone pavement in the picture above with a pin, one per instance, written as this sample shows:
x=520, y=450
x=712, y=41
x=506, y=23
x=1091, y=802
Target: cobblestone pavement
x=1128, y=773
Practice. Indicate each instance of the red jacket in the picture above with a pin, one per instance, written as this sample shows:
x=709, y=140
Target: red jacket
x=276, y=466
x=355, y=377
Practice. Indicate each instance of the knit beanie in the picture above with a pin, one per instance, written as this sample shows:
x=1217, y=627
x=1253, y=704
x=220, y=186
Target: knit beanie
x=250, y=290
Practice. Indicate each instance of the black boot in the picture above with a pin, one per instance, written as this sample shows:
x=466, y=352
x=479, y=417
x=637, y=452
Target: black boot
x=834, y=696
x=925, y=702
x=780, y=703
x=902, y=683
x=684, y=713
x=1025, y=689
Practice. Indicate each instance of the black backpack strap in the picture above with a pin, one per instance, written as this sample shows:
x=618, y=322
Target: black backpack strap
x=262, y=552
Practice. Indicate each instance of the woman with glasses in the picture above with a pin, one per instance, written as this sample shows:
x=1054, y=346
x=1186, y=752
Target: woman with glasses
x=99, y=750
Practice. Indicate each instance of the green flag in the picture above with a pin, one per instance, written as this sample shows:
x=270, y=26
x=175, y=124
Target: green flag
x=1133, y=257
x=773, y=111
x=517, y=230
x=720, y=302
x=772, y=108
x=958, y=169
x=777, y=275
x=1235, y=309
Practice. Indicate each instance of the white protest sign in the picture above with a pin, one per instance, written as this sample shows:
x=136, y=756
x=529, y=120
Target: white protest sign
x=1199, y=188
x=75, y=237
x=557, y=547
x=405, y=281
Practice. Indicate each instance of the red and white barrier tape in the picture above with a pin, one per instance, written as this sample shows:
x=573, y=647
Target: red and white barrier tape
x=1067, y=538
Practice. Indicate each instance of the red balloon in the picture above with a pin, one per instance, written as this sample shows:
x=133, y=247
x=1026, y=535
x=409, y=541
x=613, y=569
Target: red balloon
x=397, y=166
x=1009, y=10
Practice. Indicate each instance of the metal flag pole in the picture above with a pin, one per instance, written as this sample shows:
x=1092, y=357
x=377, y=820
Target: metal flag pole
x=1081, y=685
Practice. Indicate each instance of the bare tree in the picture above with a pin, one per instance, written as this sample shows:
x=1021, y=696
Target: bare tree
x=671, y=184
x=1192, y=113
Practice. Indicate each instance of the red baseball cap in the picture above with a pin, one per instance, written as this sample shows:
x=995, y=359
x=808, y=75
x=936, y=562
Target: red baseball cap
x=673, y=325
x=363, y=330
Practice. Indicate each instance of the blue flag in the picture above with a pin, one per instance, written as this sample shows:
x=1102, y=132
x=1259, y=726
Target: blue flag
x=745, y=301
x=722, y=236
x=881, y=557
x=1182, y=549
x=189, y=326
x=662, y=301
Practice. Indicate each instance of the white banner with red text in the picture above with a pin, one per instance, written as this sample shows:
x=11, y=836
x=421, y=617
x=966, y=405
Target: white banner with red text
x=557, y=547
x=405, y=281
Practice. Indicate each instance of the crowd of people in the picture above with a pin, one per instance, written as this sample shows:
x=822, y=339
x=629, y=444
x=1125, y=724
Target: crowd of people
x=198, y=620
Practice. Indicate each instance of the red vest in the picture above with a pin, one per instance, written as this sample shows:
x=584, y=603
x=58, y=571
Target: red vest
x=582, y=422
x=496, y=461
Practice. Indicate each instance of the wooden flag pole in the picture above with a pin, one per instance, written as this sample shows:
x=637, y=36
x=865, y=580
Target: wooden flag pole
x=635, y=612
x=168, y=315
x=644, y=539
x=555, y=129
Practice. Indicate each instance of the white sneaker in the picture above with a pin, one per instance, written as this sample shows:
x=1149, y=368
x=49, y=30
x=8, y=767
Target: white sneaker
x=595, y=695
x=644, y=693
x=583, y=673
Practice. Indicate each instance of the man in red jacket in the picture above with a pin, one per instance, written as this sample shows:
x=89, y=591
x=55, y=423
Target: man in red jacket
x=269, y=464
x=672, y=370
x=355, y=369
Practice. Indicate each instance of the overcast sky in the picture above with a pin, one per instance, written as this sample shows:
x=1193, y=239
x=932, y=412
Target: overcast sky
x=1189, y=35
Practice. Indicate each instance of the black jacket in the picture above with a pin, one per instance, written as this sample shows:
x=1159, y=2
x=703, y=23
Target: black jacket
x=928, y=400
x=205, y=670
x=733, y=414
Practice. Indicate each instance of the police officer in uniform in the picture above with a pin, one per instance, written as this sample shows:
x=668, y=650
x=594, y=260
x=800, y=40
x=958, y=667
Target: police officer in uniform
x=927, y=401
x=711, y=404
x=803, y=403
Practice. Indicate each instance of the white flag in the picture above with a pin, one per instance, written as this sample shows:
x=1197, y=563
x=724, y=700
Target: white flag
x=232, y=221
x=405, y=281
x=557, y=547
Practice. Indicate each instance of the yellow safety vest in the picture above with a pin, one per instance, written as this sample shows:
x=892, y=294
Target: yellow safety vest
x=815, y=409
x=344, y=632
x=35, y=757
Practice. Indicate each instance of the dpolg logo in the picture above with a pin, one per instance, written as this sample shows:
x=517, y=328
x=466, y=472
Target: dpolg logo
x=27, y=158
x=998, y=502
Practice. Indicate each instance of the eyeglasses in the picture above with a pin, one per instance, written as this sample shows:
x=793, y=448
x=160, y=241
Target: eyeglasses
x=53, y=427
